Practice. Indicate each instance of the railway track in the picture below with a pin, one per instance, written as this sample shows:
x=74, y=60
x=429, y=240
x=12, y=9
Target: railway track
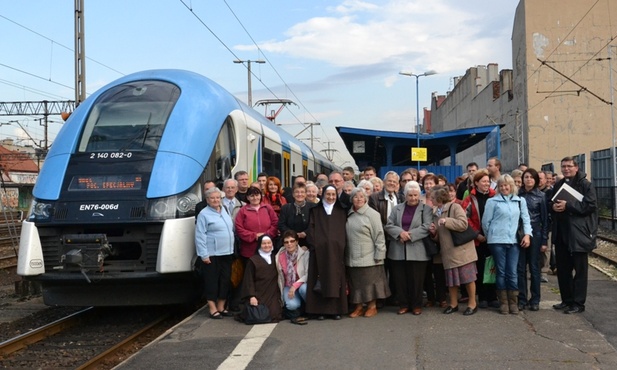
x=8, y=262
x=93, y=338
x=603, y=251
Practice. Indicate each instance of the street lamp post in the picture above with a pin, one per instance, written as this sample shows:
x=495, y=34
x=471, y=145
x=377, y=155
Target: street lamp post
x=248, y=63
x=417, y=76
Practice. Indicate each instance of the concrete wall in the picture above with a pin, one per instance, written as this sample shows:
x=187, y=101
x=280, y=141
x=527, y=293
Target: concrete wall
x=546, y=116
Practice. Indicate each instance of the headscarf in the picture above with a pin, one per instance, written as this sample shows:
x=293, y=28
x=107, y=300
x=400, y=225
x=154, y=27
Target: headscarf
x=327, y=206
x=267, y=256
x=290, y=274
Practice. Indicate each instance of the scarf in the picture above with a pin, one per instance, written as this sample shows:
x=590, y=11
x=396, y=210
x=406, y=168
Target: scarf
x=299, y=207
x=290, y=274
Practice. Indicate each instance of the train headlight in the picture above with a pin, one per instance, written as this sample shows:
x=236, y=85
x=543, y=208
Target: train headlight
x=186, y=204
x=162, y=208
x=40, y=211
x=181, y=205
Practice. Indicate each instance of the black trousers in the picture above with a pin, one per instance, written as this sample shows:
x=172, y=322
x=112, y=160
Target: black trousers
x=572, y=287
x=408, y=278
x=217, y=277
x=435, y=282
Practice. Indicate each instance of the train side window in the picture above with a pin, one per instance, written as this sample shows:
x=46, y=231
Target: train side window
x=272, y=162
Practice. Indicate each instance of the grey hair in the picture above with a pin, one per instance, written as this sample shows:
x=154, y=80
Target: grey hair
x=213, y=190
x=364, y=182
x=374, y=180
x=390, y=173
x=411, y=185
x=230, y=180
x=357, y=191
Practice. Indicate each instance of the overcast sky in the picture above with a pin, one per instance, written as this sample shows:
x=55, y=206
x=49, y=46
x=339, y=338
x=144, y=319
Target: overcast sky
x=337, y=60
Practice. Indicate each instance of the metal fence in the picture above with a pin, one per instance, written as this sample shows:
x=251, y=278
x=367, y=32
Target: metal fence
x=606, y=205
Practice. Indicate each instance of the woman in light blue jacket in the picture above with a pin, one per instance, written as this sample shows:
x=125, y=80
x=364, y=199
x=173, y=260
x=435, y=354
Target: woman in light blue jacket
x=214, y=241
x=500, y=223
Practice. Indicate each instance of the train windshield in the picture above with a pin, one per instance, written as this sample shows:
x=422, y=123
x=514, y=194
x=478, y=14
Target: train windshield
x=129, y=117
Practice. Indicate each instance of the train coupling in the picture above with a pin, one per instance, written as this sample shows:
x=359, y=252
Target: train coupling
x=86, y=251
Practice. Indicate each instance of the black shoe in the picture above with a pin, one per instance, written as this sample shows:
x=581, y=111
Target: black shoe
x=226, y=313
x=521, y=307
x=450, y=309
x=299, y=321
x=574, y=309
x=470, y=311
x=336, y=317
x=216, y=315
x=560, y=306
x=534, y=307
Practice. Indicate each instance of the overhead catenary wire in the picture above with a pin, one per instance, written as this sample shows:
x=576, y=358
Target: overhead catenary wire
x=270, y=64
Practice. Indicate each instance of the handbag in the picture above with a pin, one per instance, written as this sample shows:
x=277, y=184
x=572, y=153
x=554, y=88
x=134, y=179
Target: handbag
x=490, y=274
x=520, y=231
x=259, y=314
x=462, y=237
x=237, y=272
x=430, y=246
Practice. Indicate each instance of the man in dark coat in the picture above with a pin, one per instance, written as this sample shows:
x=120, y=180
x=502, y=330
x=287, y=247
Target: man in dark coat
x=326, y=240
x=575, y=227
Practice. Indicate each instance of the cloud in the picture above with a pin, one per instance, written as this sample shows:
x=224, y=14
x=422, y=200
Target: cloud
x=442, y=35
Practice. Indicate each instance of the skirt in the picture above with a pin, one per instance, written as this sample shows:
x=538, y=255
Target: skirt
x=367, y=284
x=461, y=275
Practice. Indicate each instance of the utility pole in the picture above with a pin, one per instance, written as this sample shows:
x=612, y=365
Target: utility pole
x=330, y=151
x=80, y=53
x=310, y=125
x=248, y=64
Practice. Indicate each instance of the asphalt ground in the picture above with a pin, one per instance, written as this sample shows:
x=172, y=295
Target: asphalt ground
x=546, y=339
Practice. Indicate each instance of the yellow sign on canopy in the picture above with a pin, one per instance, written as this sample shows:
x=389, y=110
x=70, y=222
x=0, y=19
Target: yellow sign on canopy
x=419, y=154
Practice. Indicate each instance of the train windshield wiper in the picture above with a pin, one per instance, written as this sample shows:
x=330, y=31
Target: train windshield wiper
x=141, y=134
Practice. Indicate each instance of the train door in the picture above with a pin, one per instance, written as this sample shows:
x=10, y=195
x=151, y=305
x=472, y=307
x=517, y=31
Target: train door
x=286, y=168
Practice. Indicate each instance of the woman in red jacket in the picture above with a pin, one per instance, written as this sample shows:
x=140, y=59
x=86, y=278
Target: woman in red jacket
x=474, y=205
x=254, y=220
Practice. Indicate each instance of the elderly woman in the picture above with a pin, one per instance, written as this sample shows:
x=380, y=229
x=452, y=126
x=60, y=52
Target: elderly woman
x=326, y=238
x=312, y=192
x=254, y=220
x=292, y=266
x=458, y=260
x=214, y=241
x=364, y=256
x=500, y=223
x=407, y=226
x=260, y=283
x=348, y=186
x=377, y=184
x=367, y=186
x=295, y=216
x=538, y=217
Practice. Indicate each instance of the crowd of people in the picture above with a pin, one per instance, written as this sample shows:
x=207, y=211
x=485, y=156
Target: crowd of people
x=333, y=246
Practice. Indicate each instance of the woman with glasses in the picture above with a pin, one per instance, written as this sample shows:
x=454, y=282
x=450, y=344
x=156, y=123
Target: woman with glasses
x=295, y=216
x=292, y=266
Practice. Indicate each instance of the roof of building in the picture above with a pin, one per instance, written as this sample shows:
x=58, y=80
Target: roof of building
x=16, y=161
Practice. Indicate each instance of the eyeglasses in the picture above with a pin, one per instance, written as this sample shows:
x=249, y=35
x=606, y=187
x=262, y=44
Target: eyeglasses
x=289, y=241
x=567, y=166
x=405, y=180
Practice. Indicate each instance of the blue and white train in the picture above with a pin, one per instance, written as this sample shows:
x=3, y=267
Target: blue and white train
x=112, y=221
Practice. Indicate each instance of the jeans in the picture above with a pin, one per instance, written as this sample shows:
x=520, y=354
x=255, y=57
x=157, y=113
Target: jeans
x=530, y=256
x=506, y=265
x=294, y=303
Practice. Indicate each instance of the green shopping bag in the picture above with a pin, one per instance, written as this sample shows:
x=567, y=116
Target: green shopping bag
x=489, y=271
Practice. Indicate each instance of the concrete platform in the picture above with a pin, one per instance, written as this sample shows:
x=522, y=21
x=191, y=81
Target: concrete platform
x=546, y=339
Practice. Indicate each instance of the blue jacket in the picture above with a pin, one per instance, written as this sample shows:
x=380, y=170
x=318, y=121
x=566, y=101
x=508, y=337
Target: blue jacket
x=214, y=233
x=500, y=219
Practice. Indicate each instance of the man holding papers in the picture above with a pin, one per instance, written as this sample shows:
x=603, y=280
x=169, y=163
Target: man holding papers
x=575, y=224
